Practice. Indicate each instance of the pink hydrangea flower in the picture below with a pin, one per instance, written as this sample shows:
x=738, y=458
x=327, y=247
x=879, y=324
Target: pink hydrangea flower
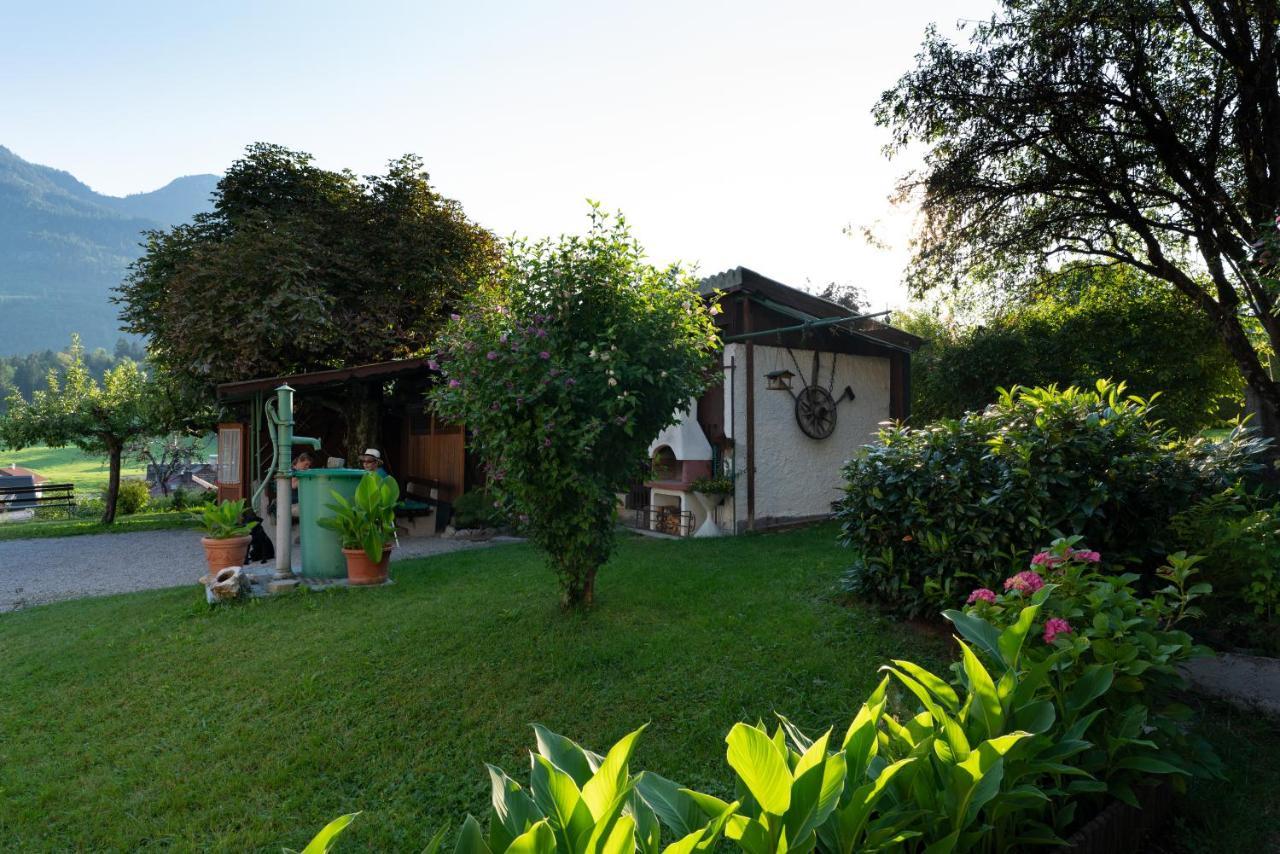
x=1046, y=559
x=1024, y=582
x=982, y=594
x=1086, y=556
x=1055, y=626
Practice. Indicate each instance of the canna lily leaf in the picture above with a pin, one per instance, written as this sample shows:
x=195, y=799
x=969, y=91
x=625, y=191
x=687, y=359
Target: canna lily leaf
x=611, y=776
x=939, y=688
x=977, y=631
x=323, y=841
x=471, y=839
x=985, y=703
x=565, y=754
x=558, y=798
x=676, y=808
x=538, y=839
x=819, y=779
x=1011, y=639
x=596, y=838
x=761, y=766
x=436, y=843
x=513, y=810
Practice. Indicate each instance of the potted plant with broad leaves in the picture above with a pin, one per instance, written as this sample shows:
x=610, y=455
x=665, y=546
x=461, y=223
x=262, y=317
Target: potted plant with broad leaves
x=366, y=525
x=226, y=534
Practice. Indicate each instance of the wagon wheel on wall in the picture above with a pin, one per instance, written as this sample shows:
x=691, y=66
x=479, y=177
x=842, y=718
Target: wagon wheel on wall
x=816, y=412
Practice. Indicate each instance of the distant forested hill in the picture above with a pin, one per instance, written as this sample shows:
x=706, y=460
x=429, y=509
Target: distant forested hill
x=63, y=247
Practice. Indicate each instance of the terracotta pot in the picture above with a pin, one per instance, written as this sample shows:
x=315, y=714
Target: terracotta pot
x=224, y=553
x=362, y=571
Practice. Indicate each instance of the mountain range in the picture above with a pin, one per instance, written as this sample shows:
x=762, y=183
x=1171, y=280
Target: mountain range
x=63, y=247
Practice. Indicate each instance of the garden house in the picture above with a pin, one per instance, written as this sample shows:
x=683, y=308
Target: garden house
x=348, y=409
x=806, y=383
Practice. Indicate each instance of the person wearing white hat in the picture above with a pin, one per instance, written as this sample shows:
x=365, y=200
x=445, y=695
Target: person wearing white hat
x=371, y=460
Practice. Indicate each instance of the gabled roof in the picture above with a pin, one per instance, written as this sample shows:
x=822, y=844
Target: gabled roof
x=803, y=304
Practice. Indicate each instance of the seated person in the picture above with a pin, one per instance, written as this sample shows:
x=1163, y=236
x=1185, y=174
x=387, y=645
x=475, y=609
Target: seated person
x=371, y=460
x=302, y=462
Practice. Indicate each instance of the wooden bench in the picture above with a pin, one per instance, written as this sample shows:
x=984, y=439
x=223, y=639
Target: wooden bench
x=30, y=496
x=424, y=497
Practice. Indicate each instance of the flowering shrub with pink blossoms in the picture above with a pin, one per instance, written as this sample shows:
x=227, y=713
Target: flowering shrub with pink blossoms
x=1111, y=657
x=564, y=367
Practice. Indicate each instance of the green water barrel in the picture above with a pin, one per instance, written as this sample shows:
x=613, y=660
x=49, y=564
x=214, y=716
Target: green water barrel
x=321, y=548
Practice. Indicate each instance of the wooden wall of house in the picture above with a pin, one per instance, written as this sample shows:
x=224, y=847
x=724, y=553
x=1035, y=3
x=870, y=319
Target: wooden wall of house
x=434, y=450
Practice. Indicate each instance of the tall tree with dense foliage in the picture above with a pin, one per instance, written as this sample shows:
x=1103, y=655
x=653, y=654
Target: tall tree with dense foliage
x=1140, y=132
x=299, y=268
x=564, y=367
x=98, y=418
x=1083, y=324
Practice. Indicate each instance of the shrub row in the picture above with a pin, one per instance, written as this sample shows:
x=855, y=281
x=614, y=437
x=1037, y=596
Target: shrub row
x=930, y=511
x=1063, y=698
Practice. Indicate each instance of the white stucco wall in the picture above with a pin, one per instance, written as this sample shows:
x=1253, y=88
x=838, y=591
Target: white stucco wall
x=796, y=476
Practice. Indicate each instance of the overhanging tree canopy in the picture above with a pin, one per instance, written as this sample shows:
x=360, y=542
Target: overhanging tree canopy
x=1141, y=132
x=299, y=268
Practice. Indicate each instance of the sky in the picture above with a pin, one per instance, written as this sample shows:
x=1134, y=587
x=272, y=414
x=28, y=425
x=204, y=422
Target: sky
x=728, y=133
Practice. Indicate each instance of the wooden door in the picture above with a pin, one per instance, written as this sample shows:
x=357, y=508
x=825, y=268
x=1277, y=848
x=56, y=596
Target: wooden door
x=232, y=458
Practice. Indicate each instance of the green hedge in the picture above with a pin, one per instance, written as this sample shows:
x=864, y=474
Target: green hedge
x=1102, y=323
x=934, y=510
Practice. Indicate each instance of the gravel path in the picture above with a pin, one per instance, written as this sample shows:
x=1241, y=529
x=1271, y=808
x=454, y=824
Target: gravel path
x=36, y=571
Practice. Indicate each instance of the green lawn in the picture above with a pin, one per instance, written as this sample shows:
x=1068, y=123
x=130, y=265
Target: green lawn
x=71, y=465
x=67, y=465
x=150, y=720
x=74, y=527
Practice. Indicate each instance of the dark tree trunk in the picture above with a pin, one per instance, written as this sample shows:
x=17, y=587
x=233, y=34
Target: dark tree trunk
x=579, y=587
x=1262, y=393
x=362, y=412
x=114, y=452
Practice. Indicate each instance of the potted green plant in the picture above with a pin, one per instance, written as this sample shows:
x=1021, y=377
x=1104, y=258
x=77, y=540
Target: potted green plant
x=718, y=486
x=709, y=492
x=366, y=525
x=226, y=534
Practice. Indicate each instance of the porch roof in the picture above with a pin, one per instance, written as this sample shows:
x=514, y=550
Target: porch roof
x=804, y=306
x=245, y=389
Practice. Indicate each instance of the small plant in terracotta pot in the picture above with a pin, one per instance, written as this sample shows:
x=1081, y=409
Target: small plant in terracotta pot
x=226, y=534
x=366, y=525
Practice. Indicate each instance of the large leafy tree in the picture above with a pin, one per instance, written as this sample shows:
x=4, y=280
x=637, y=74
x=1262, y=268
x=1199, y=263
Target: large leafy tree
x=1138, y=132
x=300, y=268
x=564, y=368
x=100, y=418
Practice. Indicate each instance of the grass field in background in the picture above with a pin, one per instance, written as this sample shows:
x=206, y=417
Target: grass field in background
x=71, y=465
